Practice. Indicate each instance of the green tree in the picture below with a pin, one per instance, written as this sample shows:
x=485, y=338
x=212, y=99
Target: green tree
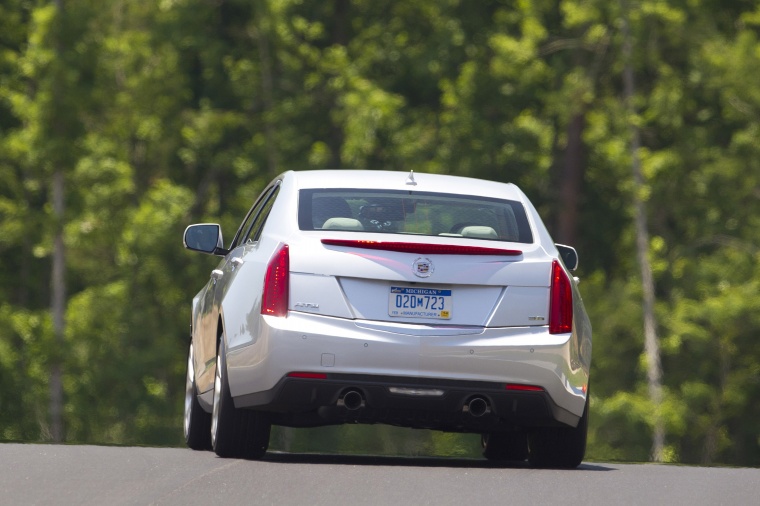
x=161, y=114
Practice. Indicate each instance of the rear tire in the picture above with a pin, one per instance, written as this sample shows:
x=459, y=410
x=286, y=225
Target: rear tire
x=505, y=446
x=235, y=433
x=559, y=447
x=197, y=423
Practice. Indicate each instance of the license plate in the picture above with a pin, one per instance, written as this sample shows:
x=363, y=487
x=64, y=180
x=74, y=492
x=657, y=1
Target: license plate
x=420, y=303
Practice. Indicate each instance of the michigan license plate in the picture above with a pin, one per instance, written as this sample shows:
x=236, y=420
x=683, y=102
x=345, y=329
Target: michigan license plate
x=420, y=303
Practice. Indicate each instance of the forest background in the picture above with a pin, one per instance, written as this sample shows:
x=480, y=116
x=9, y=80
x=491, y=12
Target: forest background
x=121, y=122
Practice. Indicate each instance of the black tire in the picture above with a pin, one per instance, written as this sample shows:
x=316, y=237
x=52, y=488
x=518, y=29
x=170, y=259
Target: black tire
x=559, y=447
x=235, y=433
x=505, y=446
x=197, y=423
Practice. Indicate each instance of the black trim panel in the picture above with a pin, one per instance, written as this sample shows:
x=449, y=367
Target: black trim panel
x=299, y=402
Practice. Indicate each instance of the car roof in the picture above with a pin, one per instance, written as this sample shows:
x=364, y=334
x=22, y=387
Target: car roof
x=380, y=179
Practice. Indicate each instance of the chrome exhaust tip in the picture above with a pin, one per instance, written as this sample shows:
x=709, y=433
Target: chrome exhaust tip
x=352, y=400
x=477, y=407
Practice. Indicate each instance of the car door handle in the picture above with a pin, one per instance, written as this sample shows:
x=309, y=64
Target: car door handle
x=216, y=274
x=237, y=262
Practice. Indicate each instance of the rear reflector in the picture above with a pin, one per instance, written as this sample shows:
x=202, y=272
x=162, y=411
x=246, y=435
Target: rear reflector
x=516, y=387
x=422, y=249
x=561, y=304
x=308, y=375
x=274, y=298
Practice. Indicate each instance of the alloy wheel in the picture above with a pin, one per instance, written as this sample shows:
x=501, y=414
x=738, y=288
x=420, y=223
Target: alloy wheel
x=217, y=397
x=189, y=392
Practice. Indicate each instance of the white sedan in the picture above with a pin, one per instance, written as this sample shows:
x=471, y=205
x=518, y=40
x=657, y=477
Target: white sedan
x=417, y=300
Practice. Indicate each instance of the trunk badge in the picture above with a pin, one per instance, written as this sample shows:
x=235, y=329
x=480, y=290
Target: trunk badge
x=423, y=267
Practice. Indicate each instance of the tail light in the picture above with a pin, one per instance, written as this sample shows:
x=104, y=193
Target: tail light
x=561, y=302
x=274, y=298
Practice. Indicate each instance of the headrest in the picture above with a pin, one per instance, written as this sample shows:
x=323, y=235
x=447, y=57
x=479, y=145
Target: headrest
x=342, y=224
x=479, y=232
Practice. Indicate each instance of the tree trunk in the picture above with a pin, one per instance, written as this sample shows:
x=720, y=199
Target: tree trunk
x=262, y=19
x=570, y=183
x=58, y=282
x=58, y=305
x=340, y=37
x=340, y=22
x=651, y=343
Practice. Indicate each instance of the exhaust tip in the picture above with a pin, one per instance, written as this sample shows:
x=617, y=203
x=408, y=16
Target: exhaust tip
x=352, y=400
x=477, y=407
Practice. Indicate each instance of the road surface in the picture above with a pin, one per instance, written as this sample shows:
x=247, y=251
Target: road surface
x=99, y=475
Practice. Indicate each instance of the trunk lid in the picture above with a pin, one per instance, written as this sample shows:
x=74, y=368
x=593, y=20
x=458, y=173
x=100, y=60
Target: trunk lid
x=421, y=286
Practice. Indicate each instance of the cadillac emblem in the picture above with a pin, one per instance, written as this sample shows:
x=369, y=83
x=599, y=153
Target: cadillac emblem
x=422, y=267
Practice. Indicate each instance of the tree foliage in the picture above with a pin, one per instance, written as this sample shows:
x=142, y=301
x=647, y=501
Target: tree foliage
x=165, y=113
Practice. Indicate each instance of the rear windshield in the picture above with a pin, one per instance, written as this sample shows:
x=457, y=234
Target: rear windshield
x=410, y=212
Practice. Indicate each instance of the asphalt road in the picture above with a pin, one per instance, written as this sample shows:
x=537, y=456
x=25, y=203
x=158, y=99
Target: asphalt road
x=55, y=474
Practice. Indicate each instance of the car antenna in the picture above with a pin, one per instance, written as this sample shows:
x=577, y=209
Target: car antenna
x=410, y=180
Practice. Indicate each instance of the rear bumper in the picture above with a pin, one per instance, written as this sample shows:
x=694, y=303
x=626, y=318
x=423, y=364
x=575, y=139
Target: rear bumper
x=299, y=402
x=373, y=357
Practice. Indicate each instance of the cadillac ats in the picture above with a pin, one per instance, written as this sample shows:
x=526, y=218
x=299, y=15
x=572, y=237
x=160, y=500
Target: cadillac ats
x=417, y=300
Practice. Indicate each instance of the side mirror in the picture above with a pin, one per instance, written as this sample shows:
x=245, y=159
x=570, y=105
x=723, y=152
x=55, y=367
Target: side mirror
x=206, y=238
x=569, y=256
